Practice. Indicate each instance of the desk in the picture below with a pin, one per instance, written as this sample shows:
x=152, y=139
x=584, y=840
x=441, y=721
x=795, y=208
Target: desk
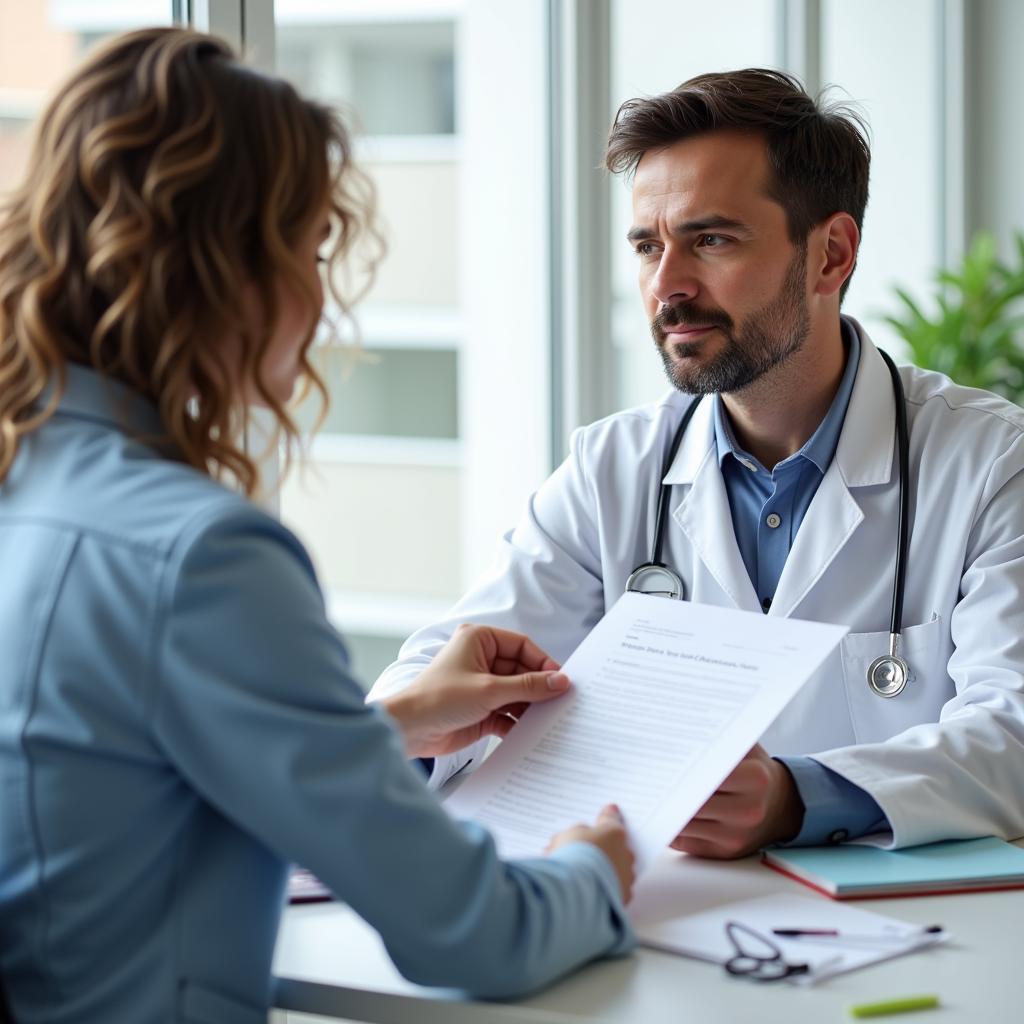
x=329, y=962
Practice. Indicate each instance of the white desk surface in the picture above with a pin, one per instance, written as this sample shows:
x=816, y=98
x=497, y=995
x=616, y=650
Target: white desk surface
x=329, y=962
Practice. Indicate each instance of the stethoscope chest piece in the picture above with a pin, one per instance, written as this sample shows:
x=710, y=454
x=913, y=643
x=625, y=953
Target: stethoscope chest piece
x=655, y=579
x=888, y=675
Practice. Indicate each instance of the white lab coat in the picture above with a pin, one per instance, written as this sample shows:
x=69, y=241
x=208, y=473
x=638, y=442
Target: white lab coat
x=943, y=759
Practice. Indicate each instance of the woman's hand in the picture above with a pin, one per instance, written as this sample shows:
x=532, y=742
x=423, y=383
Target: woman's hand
x=479, y=684
x=608, y=834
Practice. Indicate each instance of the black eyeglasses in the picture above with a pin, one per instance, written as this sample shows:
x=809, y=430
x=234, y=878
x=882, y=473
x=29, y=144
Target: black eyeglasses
x=756, y=956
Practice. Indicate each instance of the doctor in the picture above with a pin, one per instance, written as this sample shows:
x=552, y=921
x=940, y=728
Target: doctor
x=784, y=494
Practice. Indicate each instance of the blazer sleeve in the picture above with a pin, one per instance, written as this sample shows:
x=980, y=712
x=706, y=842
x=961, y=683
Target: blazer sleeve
x=257, y=710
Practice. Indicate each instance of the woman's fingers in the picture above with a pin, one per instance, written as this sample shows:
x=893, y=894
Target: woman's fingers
x=528, y=688
x=513, y=666
x=513, y=653
x=611, y=814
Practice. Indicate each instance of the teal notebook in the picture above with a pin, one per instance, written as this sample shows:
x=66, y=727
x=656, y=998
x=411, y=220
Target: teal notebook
x=857, y=872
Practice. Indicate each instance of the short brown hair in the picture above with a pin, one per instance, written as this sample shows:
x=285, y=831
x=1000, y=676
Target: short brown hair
x=818, y=152
x=165, y=178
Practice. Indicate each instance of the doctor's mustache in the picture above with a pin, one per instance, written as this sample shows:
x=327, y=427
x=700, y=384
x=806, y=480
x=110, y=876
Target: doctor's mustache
x=686, y=314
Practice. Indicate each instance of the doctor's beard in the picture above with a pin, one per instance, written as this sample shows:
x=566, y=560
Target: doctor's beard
x=765, y=339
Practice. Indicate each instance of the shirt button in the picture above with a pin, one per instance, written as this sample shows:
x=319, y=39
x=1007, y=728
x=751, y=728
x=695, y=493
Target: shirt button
x=774, y=520
x=749, y=465
x=840, y=835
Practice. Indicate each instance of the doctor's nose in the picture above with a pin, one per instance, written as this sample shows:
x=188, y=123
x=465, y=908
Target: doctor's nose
x=671, y=283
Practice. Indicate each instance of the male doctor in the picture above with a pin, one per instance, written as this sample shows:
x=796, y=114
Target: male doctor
x=748, y=201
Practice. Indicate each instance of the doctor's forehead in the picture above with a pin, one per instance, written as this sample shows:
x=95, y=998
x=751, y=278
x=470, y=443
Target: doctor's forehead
x=725, y=171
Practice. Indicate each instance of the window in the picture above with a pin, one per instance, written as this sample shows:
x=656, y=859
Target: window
x=378, y=501
x=471, y=371
x=900, y=79
x=438, y=434
x=39, y=44
x=897, y=78
x=711, y=37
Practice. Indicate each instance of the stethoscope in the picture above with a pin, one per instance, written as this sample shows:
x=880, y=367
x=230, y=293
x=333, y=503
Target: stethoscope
x=888, y=674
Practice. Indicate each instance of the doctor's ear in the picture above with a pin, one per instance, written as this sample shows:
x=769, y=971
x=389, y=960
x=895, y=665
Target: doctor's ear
x=831, y=253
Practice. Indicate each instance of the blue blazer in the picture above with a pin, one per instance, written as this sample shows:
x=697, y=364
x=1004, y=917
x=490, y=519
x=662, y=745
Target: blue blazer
x=178, y=723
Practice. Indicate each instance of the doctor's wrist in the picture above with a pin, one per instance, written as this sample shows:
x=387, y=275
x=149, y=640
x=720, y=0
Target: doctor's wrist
x=788, y=812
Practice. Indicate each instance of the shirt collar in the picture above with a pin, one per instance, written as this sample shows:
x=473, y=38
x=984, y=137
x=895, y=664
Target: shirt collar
x=821, y=446
x=89, y=394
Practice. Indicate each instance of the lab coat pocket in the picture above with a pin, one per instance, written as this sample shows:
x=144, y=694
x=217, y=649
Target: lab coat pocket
x=877, y=718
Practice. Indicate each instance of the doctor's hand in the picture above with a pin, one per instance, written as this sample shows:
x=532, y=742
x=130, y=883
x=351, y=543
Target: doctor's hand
x=758, y=804
x=479, y=684
x=609, y=835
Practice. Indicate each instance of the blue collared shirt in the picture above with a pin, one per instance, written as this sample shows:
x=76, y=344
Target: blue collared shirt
x=768, y=505
x=767, y=509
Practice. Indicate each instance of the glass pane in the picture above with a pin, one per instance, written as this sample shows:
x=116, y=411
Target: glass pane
x=391, y=436
x=40, y=42
x=417, y=203
x=390, y=392
x=894, y=79
x=397, y=76
x=706, y=37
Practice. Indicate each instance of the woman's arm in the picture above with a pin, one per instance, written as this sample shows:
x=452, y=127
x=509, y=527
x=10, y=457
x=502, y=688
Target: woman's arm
x=258, y=712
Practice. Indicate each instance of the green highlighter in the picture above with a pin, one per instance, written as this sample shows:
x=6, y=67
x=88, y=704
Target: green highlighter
x=895, y=1006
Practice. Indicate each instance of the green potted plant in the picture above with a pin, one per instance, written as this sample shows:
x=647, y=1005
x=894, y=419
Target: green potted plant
x=976, y=334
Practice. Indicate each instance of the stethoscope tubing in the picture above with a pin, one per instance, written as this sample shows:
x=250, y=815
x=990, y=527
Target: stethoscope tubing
x=902, y=434
x=664, y=490
x=903, y=523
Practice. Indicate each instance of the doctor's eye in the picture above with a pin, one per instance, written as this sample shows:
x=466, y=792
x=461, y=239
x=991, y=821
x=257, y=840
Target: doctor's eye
x=645, y=249
x=711, y=241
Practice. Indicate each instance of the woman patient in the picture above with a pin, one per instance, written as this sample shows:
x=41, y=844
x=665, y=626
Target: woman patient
x=177, y=717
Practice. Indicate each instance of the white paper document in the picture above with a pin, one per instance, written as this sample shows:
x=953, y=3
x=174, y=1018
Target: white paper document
x=862, y=936
x=667, y=698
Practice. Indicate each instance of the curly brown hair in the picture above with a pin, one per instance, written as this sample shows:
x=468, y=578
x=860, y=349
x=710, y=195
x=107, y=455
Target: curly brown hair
x=165, y=178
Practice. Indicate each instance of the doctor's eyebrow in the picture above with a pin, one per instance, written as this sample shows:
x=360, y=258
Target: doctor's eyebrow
x=715, y=222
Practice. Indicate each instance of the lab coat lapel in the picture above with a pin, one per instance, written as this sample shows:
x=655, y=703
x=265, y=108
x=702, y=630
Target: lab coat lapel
x=863, y=458
x=704, y=515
